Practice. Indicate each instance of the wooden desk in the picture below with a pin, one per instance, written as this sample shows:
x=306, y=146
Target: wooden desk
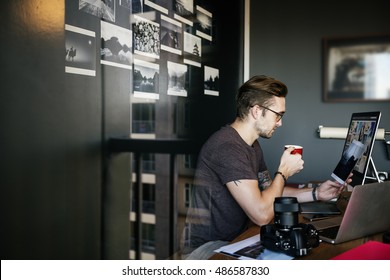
x=324, y=251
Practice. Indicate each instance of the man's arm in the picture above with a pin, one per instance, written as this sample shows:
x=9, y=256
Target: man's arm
x=256, y=204
x=326, y=191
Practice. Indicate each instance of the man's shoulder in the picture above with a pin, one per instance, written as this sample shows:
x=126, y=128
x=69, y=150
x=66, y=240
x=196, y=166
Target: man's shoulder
x=226, y=135
x=226, y=132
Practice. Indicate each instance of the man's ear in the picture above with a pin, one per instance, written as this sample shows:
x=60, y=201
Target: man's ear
x=255, y=111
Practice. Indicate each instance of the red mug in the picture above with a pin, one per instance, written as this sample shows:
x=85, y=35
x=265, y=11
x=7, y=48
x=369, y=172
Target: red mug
x=297, y=149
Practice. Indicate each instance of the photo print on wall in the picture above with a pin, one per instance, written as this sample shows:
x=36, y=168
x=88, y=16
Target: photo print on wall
x=104, y=9
x=171, y=35
x=192, y=49
x=159, y=5
x=204, y=23
x=116, y=45
x=146, y=37
x=184, y=11
x=80, y=51
x=211, y=81
x=177, y=74
x=146, y=77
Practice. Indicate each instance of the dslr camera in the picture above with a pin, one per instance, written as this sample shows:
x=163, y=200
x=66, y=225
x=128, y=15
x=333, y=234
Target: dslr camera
x=286, y=235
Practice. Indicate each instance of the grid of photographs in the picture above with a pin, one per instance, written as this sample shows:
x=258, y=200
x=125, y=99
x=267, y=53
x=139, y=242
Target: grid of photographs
x=176, y=29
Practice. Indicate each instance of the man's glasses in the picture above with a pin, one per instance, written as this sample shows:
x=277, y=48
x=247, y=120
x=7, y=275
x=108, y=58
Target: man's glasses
x=279, y=116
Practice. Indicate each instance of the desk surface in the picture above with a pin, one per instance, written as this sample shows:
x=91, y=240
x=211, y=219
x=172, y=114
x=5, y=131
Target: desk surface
x=324, y=251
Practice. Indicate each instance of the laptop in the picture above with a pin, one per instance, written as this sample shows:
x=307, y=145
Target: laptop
x=367, y=213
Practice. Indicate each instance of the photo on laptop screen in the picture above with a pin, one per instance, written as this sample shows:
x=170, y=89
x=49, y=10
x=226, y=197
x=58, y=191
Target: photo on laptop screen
x=357, y=148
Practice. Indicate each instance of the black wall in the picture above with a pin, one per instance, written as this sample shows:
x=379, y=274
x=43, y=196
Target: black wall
x=51, y=140
x=285, y=42
x=62, y=196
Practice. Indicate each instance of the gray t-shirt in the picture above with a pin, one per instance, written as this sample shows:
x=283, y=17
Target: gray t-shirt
x=213, y=213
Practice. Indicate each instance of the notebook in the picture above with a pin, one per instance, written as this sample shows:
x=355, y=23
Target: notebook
x=367, y=213
x=319, y=208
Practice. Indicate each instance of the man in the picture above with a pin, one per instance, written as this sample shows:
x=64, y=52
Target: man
x=232, y=185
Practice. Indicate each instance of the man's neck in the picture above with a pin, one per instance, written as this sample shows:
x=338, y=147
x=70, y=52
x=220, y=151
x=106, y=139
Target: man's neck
x=245, y=130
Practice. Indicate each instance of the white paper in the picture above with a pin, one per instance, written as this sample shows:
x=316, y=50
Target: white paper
x=232, y=249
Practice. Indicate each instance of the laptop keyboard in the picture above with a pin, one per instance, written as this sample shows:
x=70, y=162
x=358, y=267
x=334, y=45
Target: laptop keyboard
x=330, y=232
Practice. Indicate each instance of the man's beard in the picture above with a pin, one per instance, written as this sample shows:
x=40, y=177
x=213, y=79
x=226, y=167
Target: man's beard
x=265, y=133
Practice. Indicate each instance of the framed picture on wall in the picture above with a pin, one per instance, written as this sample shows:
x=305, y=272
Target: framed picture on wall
x=356, y=69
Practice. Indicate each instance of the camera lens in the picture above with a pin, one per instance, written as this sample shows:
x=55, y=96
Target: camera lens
x=286, y=211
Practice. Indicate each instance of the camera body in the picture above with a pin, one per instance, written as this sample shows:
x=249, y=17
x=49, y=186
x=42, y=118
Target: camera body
x=296, y=241
x=286, y=235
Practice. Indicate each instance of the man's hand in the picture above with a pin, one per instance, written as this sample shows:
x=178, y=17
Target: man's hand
x=332, y=189
x=290, y=164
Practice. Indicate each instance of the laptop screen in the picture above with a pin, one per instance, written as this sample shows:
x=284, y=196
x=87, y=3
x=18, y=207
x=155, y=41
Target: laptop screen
x=358, y=147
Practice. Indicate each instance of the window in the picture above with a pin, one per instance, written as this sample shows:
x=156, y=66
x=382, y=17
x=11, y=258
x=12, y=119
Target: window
x=187, y=194
x=143, y=120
